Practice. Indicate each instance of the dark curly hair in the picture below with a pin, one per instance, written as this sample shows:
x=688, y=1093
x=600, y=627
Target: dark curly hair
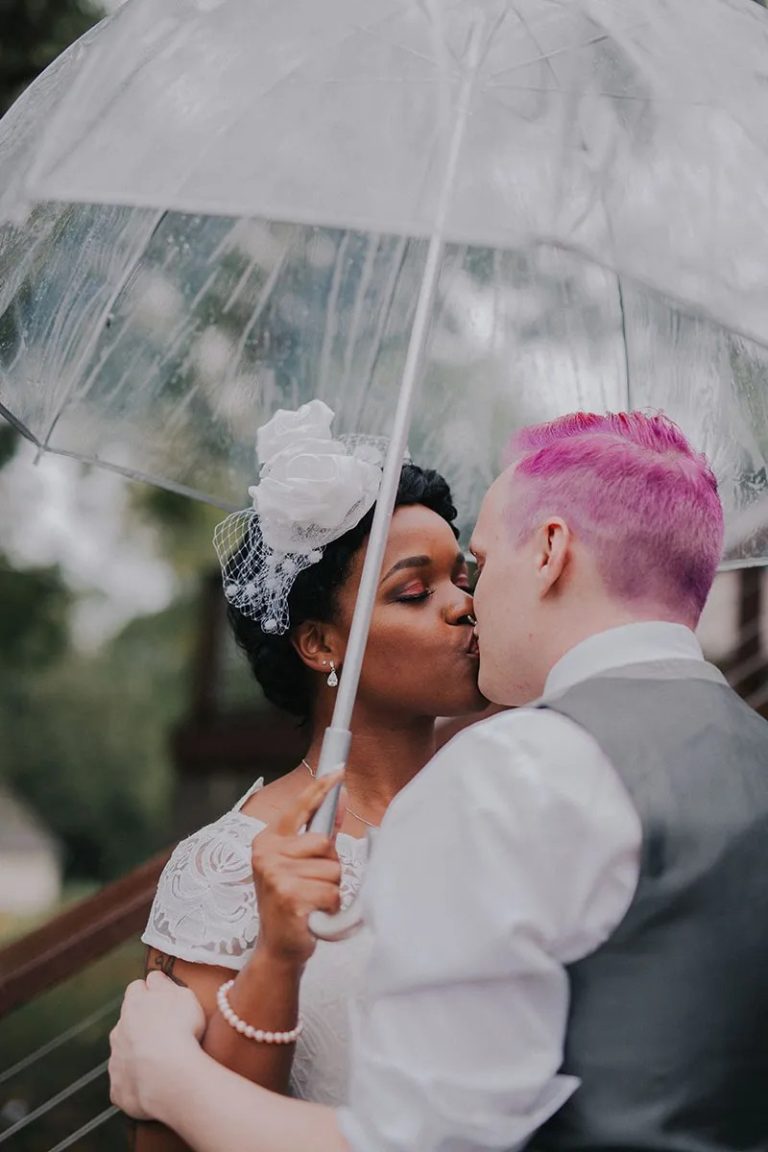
x=284, y=678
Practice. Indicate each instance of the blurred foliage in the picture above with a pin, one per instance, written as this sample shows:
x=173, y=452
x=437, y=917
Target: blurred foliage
x=185, y=528
x=34, y=32
x=84, y=738
x=34, y=616
x=8, y=440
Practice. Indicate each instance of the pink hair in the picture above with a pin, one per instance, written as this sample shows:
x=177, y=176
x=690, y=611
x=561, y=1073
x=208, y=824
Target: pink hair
x=635, y=490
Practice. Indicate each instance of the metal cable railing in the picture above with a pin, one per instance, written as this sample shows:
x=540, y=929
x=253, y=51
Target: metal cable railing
x=86, y=1129
x=51, y=1045
x=53, y=1101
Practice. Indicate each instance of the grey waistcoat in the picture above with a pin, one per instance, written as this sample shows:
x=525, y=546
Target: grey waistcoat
x=668, y=1025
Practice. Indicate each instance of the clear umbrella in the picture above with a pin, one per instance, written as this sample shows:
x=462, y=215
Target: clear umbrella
x=210, y=209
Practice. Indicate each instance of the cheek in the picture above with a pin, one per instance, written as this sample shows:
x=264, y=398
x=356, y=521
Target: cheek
x=406, y=649
x=487, y=594
x=395, y=645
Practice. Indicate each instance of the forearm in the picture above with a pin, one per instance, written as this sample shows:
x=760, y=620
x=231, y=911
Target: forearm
x=213, y=1109
x=152, y=1137
x=265, y=994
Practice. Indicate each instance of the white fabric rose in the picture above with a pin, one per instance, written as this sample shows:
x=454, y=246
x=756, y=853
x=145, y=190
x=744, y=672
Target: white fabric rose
x=286, y=429
x=311, y=489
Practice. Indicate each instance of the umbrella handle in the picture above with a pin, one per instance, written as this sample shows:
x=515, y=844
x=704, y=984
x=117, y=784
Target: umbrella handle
x=347, y=923
x=339, y=927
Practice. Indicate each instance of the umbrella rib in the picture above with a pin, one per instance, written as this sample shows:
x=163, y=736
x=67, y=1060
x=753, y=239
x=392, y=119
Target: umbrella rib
x=686, y=306
x=20, y=427
x=142, y=477
x=330, y=329
x=358, y=311
x=399, y=47
x=261, y=304
x=385, y=311
x=546, y=56
x=625, y=341
x=603, y=95
x=97, y=328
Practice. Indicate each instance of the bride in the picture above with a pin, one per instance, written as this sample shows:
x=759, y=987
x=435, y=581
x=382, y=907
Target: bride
x=291, y=569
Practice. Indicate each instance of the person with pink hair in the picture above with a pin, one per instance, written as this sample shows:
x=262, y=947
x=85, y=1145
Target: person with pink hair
x=568, y=904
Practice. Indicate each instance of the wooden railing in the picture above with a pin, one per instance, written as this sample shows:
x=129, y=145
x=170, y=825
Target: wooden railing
x=77, y=936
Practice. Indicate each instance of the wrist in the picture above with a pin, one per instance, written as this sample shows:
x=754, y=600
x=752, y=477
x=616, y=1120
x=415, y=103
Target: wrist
x=289, y=965
x=165, y=1089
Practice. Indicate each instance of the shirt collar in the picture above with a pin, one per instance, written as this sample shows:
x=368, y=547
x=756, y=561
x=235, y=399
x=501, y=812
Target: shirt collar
x=617, y=647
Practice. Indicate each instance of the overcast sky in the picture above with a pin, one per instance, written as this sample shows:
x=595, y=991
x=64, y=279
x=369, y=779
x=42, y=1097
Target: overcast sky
x=58, y=512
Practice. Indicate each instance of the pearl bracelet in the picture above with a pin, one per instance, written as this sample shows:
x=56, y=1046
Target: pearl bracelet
x=247, y=1030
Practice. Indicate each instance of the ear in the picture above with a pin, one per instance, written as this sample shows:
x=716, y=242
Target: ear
x=317, y=644
x=553, y=552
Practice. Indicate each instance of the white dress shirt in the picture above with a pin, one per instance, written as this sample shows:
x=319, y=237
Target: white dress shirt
x=511, y=855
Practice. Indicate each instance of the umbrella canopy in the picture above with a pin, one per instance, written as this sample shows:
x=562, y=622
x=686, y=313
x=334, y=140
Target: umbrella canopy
x=210, y=209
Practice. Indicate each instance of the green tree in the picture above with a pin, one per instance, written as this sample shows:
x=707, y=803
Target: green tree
x=34, y=32
x=34, y=621
x=84, y=737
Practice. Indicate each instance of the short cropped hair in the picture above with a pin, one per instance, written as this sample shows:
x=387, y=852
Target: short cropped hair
x=634, y=489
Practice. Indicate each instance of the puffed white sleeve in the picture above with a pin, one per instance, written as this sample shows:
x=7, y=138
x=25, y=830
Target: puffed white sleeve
x=514, y=853
x=205, y=909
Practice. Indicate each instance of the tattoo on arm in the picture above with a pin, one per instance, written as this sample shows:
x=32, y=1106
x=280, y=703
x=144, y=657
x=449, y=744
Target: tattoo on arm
x=161, y=962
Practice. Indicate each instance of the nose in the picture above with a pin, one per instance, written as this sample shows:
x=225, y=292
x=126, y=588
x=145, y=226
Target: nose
x=460, y=608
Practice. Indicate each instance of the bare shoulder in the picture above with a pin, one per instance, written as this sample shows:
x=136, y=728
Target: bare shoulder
x=269, y=802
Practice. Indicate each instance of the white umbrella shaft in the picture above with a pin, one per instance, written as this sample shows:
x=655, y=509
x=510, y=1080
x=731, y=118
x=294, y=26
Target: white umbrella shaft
x=335, y=747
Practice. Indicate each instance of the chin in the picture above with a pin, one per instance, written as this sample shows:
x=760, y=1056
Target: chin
x=465, y=705
x=496, y=693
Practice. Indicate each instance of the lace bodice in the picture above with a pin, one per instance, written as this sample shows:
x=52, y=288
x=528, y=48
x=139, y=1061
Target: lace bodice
x=205, y=912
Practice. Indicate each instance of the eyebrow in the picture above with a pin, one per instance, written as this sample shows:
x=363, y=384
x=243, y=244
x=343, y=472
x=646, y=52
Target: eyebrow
x=408, y=562
x=419, y=562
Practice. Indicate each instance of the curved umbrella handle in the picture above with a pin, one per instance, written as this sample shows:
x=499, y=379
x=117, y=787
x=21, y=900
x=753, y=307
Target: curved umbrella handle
x=343, y=924
x=339, y=927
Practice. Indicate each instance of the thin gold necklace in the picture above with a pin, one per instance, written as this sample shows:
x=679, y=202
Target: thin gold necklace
x=362, y=819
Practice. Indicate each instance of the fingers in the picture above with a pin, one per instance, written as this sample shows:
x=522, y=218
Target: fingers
x=310, y=895
x=157, y=979
x=136, y=990
x=298, y=814
x=279, y=871
x=267, y=846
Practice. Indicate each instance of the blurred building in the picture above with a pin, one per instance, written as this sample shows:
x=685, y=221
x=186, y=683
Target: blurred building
x=30, y=861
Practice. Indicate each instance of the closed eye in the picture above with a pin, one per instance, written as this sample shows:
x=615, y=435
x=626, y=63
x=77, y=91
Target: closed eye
x=416, y=597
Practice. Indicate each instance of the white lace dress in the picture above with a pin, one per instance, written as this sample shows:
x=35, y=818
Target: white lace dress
x=205, y=911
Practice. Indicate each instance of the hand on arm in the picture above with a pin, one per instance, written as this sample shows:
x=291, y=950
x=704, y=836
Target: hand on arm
x=157, y=1069
x=293, y=875
x=203, y=980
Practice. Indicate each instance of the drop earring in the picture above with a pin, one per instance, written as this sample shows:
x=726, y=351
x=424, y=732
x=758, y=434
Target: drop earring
x=333, y=679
